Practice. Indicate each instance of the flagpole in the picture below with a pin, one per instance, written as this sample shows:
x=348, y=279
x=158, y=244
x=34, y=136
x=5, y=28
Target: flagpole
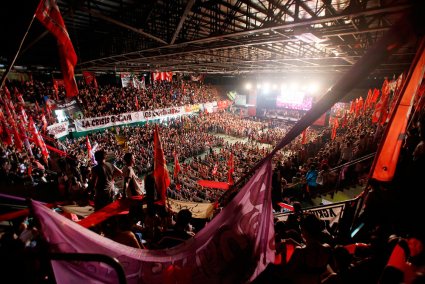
x=3, y=79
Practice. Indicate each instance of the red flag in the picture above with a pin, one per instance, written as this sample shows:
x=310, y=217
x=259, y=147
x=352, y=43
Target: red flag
x=24, y=116
x=6, y=90
x=49, y=15
x=385, y=88
x=368, y=99
x=90, y=79
x=231, y=165
x=375, y=96
x=352, y=106
x=88, y=147
x=160, y=171
x=37, y=107
x=377, y=112
x=334, y=128
x=304, y=137
x=359, y=106
x=136, y=102
x=37, y=138
x=17, y=138
x=20, y=99
x=4, y=131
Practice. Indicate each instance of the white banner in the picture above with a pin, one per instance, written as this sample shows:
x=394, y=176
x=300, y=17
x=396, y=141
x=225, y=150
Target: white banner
x=58, y=129
x=94, y=123
x=198, y=210
x=331, y=213
x=126, y=80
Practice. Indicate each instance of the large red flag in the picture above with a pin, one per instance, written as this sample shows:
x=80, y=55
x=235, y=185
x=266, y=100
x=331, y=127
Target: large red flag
x=160, y=171
x=49, y=15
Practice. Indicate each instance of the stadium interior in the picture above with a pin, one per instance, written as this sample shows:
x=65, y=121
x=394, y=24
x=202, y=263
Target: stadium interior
x=216, y=141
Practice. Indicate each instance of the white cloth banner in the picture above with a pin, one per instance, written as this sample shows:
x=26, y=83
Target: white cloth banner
x=331, y=213
x=95, y=123
x=58, y=129
x=126, y=80
x=198, y=210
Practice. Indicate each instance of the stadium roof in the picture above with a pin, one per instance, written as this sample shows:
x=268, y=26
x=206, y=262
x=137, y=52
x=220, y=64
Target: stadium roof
x=214, y=36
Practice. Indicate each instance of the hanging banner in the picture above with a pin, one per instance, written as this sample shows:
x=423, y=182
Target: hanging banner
x=198, y=210
x=95, y=123
x=58, y=130
x=68, y=110
x=126, y=80
x=332, y=213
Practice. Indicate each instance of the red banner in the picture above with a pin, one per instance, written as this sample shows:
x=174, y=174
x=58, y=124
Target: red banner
x=49, y=15
x=214, y=184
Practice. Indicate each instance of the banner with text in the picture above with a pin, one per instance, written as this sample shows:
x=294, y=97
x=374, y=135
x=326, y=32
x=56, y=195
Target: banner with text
x=198, y=210
x=331, y=213
x=94, y=123
x=58, y=130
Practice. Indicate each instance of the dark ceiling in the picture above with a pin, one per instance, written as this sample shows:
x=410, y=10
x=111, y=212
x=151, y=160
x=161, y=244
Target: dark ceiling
x=212, y=36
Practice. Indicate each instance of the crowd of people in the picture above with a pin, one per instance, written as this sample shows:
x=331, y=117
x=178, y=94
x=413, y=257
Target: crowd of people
x=163, y=94
x=308, y=250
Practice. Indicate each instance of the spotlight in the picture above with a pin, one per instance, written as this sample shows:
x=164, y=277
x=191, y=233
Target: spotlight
x=248, y=86
x=313, y=88
x=274, y=86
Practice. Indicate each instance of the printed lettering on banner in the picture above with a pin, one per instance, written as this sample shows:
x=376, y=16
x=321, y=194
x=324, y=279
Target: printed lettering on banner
x=58, y=130
x=133, y=117
x=331, y=213
x=198, y=210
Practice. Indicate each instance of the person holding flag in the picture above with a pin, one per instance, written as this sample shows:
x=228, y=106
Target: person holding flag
x=160, y=174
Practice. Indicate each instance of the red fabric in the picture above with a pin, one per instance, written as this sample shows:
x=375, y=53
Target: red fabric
x=334, y=128
x=106, y=212
x=214, y=184
x=38, y=139
x=375, y=96
x=162, y=76
x=4, y=131
x=6, y=90
x=304, y=137
x=352, y=107
x=359, y=106
x=136, y=103
x=49, y=15
x=88, y=147
x=231, y=165
x=90, y=79
x=286, y=206
x=160, y=171
x=17, y=138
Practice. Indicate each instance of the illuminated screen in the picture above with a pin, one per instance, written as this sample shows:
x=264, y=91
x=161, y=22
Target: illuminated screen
x=294, y=99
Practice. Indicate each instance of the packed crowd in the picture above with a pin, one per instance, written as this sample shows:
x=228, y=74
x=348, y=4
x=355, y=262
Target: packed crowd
x=115, y=100
x=308, y=250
